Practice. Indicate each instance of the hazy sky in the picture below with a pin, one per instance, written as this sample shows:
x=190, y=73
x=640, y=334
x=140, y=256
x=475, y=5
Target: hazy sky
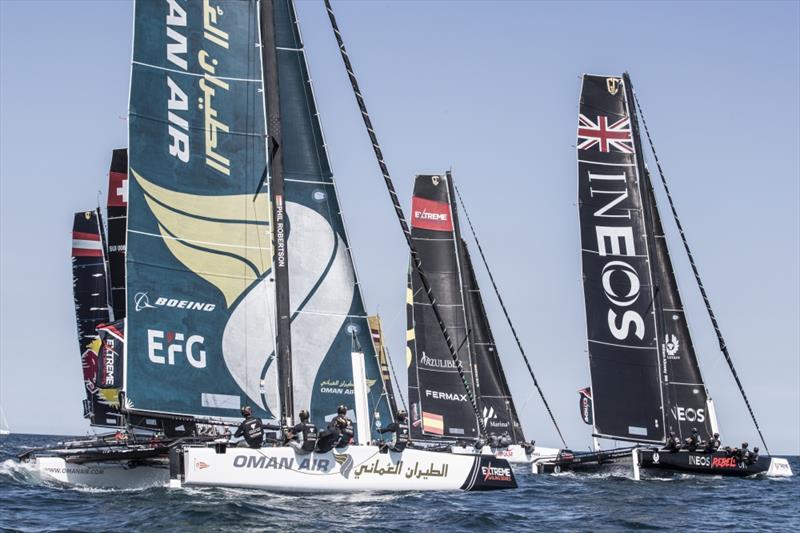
x=491, y=89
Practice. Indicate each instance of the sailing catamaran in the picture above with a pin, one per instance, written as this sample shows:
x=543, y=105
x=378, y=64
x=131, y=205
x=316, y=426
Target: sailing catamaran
x=5, y=429
x=440, y=409
x=239, y=284
x=646, y=380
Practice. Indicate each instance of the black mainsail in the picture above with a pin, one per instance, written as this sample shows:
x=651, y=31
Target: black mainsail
x=117, y=211
x=439, y=406
x=646, y=380
x=92, y=308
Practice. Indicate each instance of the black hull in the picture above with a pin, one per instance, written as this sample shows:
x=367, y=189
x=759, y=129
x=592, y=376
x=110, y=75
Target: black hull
x=717, y=463
x=586, y=462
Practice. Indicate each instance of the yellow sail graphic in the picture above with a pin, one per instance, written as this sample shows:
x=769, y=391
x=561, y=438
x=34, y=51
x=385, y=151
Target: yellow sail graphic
x=222, y=239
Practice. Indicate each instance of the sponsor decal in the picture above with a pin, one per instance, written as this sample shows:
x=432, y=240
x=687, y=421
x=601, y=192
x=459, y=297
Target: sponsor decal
x=142, y=301
x=436, y=363
x=117, y=189
x=162, y=347
x=671, y=345
x=345, y=462
x=200, y=465
x=496, y=473
x=688, y=414
x=725, y=462
x=449, y=396
x=612, y=84
x=430, y=215
x=700, y=460
x=109, y=359
x=281, y=463
x=89, y=364
x=586, y=405
x=656, y=458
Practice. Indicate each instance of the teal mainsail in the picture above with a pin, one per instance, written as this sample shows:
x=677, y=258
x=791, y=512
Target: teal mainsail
x=200, y=294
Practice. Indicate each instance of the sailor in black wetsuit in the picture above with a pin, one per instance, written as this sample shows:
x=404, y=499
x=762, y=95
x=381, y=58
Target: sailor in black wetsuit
x=303, y=436
x=693, y=441
x=713, y=444
x=399, y=430
x=251, y=429
x=344, y=425
x=743, y=454
x=505, y=440
x=753, y=456
x=673, y=443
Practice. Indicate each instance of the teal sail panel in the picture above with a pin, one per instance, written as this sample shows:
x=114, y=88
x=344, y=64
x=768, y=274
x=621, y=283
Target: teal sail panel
x=327, y=305
x=199, y=294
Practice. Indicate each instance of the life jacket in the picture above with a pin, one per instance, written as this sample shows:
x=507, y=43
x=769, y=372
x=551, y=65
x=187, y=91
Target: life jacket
x=308, y=436
x=253, y=432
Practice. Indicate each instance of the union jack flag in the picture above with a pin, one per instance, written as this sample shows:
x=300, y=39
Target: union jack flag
x=616, y=136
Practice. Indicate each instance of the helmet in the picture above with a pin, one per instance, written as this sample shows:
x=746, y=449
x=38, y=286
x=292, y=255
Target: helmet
x=694, y=430
x=755, y=449
x=304, y=415
x=342, y=410
x=246, y=411
x=716, y=435
x=744, y=445
x=401, y=414
x=671, y=433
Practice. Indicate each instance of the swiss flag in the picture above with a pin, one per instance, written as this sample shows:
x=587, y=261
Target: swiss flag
x=117, y=189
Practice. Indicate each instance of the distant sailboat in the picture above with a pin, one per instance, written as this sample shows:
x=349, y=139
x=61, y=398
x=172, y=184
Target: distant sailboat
x=4, y=428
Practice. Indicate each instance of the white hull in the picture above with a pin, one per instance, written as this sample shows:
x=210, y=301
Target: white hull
x=107, y=475
x=514, y=454
x=779, y=467
x=349, y=469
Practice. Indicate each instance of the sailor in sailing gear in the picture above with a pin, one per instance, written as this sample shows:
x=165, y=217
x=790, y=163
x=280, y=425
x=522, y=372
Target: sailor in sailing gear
x=744, y=454
x=529, y=447
x=753, y=456
x=494, y=441
x=342, y=425
x=713, y=444
x=693, y=441
x=251, y=429
x=673, y=443
x=505, y=440
x=303, y=436
x=400, y=432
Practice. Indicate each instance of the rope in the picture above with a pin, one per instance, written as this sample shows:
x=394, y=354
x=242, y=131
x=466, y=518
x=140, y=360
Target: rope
x=397, y=383
x=722, y=346
x=508, y=318
x=401, y=216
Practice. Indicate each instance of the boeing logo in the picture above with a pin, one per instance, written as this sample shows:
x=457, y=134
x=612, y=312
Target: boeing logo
x=142, y=301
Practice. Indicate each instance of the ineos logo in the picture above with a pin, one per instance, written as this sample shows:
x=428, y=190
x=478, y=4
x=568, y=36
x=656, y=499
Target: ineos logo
x=688, y=414
x=620, y=267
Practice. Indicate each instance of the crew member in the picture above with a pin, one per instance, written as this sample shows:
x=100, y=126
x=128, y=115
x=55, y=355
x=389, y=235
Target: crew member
x=343, y=425
x=303, y=436
x=251, y=429
x=693, y=441
x=399, y=430
x=505, y=440
x=753, y=456
x=529, y=447
x=713, y=444
x=494, y=441
x=743, y=454
x=673, y=443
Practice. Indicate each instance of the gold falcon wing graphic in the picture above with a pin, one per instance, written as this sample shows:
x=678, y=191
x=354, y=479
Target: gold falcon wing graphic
x=223, y=239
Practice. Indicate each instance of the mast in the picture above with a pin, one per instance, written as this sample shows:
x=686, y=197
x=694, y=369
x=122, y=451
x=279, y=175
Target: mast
x=269, y=60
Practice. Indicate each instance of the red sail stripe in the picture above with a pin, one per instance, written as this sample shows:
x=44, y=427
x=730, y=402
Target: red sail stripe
x=79, y=235
x=86, y=252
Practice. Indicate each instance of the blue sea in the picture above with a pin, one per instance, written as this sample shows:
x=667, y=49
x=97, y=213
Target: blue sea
x=565, y=502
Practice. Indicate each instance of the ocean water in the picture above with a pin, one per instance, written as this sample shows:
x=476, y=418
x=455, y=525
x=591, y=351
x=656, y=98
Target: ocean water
x=565, y=502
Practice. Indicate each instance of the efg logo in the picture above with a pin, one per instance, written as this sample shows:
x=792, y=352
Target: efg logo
x=176, y=343
x=142, y=301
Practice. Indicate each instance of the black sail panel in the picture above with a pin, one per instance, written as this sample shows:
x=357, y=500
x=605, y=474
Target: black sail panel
x=440, y=407
x=92, y=308
x=618, y=292
x=497, y=405
x=685, y=394
x=117, y=205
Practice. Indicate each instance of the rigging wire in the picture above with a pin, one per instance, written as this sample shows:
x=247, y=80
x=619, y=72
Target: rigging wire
x=401, y=216
x=508, y=317
x=397, y=383
x=722, y=345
